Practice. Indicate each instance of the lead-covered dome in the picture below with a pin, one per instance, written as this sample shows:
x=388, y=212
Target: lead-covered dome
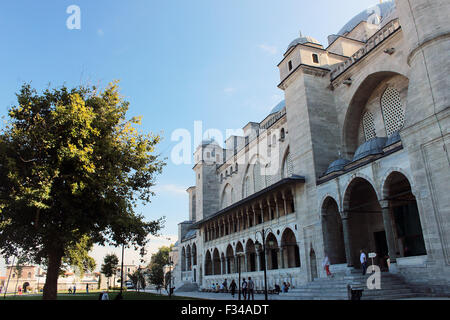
x=302, y=40
x=371, y=147
x=337, y=165
x=278, y=107
x=374, y=15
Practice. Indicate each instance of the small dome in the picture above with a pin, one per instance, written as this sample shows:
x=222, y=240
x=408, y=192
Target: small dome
x=337, y=165
x=373, y=146
x=302, y=40
x=374, y=15
x=393, y=138
x=278, y=107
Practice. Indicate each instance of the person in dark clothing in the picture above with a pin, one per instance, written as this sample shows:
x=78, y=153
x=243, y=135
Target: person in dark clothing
x=244, y=289
x=233, y=288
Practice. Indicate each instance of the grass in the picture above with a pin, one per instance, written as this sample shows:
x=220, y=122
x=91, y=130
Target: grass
x=131, y=295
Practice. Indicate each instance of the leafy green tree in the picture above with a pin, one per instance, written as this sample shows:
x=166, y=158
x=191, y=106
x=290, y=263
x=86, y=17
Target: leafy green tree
x=109, y=266
x=138, y=279
x=156, y=266
x=72, y=166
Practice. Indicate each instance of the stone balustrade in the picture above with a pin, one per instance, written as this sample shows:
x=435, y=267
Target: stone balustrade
x=371, y=43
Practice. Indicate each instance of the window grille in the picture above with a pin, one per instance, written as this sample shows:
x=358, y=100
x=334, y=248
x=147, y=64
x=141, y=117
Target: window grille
x=393, y=113
x=369, y=126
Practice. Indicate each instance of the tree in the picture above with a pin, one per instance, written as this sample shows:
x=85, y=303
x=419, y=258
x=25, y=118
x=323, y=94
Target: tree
x=138, y=279
x=109, y=266
x=72, y=166
x=156, y=266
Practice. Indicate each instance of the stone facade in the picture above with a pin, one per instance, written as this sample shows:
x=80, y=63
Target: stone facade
x=355, y=158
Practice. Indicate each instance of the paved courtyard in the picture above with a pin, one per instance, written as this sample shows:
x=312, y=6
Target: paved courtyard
x=227, y=296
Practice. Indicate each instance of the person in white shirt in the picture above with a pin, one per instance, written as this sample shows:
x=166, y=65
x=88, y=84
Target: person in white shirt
x=363, y=260
x=326, y=265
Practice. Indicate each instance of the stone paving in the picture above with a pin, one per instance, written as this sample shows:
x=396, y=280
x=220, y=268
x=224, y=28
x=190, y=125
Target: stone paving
x=227, y=296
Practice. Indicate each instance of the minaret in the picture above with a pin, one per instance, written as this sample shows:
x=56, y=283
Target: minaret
x=207, y=157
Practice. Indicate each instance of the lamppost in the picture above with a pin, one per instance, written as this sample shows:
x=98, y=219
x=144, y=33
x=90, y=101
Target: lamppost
x=239, y=254
x=170, y=277
x=258, y=247
x=121, y=271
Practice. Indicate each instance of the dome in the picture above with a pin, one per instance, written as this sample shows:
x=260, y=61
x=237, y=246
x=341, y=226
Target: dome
x=337, y=165
x=374, y=15
x=393, y=138
x=373, y=146
x=302, y=40
x=278, y=107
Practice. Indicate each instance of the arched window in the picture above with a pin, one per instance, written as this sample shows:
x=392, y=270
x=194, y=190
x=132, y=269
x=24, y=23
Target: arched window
x=288, y=168
x=282, y=134
x=246, y=187
x=236, y=167
x=315, y=58
x=393, y=113
x=257, y=177
x=268, y=175
x=369, y=126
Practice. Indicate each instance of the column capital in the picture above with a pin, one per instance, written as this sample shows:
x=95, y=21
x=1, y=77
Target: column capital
x=344, y=214
x=384, y=204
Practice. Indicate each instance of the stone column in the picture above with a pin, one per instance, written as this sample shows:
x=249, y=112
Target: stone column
x=282, y=250
x=238, y=222
x=262, y=211
x=284, y=202
x=270, y=209
x=276, y=207
x=245, y=266
x=221, y=266
x=389, y=229
x=258, y=260
x=280, y=258
x=248, y=217
x=347, y=238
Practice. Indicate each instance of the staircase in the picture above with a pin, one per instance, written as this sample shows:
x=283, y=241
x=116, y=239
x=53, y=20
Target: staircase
x=186, y=286
x=392, y=287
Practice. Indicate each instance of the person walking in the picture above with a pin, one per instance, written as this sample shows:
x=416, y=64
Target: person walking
x=233, y=287
x=363, y=260
x=74, y=289
x=244, y=289
x=250, y=289
x=87, y=288
x=326, y=265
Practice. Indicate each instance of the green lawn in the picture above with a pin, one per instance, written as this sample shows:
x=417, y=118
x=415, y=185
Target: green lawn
x=94, y=296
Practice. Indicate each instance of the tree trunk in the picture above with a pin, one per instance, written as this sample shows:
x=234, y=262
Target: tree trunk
x=51, y=280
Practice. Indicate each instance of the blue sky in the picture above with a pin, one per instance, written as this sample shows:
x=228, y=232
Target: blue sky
x=178, y=61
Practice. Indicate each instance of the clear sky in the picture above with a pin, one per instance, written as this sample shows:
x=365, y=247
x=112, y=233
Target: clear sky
x=178, y=61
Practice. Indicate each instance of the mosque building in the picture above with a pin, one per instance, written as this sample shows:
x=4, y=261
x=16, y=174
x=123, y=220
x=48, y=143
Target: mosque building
x=354, y=158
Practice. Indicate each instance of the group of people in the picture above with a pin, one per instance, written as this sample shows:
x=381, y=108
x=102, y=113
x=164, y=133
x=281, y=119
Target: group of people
x=73, y=290
x=247, y=288
x=362, y=260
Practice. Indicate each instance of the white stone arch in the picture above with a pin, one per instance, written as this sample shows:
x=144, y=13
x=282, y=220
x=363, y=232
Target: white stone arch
x=226, y=197
x=249, y=174
x=352, y=179
x=363, y=85
x=391, y=170
x=286, y=160
x=332, y=196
